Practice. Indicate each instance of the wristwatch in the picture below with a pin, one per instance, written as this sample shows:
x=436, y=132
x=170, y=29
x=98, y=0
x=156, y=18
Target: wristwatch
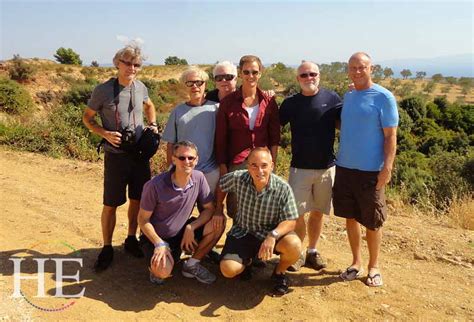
x=274, y=233
x=153, y=124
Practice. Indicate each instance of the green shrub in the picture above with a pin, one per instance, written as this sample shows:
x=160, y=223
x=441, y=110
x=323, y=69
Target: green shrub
x=78, y=94
x=20, y=70
x=14, y=99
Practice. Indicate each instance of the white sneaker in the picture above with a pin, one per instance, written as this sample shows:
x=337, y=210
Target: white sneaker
x=198, y=272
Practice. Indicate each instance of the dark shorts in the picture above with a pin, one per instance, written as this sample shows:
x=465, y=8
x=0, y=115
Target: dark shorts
x=174, y=242
x=355, y=197
x=246, y=247
x=120, y=170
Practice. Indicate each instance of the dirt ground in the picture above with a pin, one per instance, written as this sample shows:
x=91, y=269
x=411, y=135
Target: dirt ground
x=50, y=208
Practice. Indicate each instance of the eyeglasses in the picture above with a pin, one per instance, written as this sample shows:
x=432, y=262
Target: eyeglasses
x=248, y=72
x=198, y=83
x=129, y=64
x=227, y=77
x=183, y=158
x=306, y=75
x=358, y=69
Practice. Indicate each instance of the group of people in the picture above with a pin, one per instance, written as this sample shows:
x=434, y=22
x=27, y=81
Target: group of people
x=222, y=146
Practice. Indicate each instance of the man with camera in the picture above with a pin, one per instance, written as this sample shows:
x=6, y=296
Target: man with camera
x=121, y=103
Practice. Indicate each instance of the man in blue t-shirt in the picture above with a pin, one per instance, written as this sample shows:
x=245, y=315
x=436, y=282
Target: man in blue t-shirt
x=313, y=115
x=364, y=164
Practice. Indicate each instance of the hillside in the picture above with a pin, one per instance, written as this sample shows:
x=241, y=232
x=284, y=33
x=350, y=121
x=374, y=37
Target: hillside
x=51, y=207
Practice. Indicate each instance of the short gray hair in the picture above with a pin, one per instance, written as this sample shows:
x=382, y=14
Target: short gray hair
x=225, y=64
x=306, y=62
x=194, y=70
x=186, y=144
x=129, y=53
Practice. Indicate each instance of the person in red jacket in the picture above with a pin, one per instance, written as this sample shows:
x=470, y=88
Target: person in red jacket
x=246, y=119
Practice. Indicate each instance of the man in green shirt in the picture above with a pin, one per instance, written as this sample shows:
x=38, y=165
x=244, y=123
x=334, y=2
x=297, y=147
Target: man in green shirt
x=265, y=220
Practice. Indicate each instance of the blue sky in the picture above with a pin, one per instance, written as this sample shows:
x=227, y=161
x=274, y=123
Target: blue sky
x=208, y=31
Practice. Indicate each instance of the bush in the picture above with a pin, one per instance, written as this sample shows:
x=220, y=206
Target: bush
x=14, y=99
x=78, y=94
x=20, y=70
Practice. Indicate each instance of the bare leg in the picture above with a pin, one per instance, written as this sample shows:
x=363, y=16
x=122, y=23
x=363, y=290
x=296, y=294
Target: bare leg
x=230, y=268
x=133, y=208
x=354, y=236
x=374, y=240
x=289, y=248
x=315, y=226
x=208, y=241
x=107, y=220
x=300, y=228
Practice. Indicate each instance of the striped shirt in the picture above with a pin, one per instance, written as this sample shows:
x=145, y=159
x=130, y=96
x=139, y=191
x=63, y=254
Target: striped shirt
x=258, y=213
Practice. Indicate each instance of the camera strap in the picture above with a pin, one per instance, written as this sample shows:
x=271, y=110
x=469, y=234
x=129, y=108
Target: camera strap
x=117, y=100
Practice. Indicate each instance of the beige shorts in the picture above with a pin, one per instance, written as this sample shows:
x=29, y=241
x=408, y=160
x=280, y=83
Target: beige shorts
x=312, y=189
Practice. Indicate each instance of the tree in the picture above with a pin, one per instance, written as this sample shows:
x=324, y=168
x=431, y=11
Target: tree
x=451, y=80
x=387, y=72
x=377, y=72
x=173, y=60
x=415, y=107
x=437, y=77
x=68, y=56
x=94, y=63
x=405, y=73
x=420, y=75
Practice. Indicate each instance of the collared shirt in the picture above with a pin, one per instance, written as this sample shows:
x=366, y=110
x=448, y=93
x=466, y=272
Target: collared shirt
x=258, y=212
x=172, y=206
x=234, y=139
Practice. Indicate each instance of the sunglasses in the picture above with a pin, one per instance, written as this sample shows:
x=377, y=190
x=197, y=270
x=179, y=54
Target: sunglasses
x=306, y=75
x=198, y=83
x=248, y=72
x=129, y=64
x=189, y=158
x=227, y=77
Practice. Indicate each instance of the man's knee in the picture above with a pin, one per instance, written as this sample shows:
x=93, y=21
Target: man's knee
x=162, y=272
x=109, y=210
x=231, y=268
x=290, y=245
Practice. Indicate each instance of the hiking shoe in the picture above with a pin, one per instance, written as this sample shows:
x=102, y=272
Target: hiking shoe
x=131, y=246
x=281, y=284
x=104, y=259
x=315, y=261
x=156, y=280
x=297, y=266
x=198, y=272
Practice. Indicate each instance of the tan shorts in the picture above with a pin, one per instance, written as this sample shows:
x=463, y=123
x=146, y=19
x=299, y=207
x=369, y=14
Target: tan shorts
x=312, y=189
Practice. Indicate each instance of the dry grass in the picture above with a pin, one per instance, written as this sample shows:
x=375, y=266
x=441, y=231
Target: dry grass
x=461, y=212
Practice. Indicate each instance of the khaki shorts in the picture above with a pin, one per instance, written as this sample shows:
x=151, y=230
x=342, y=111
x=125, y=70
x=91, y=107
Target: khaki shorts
x=312, y=189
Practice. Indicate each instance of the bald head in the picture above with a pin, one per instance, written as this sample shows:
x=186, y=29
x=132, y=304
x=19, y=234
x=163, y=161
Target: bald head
x=307, y=64
x=361, y=56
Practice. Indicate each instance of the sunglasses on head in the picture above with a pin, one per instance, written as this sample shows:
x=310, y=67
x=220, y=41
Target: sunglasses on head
x=248, y=72
x=306, y=75
x=129, y=64
x=227, y=77
x=192, y=83
x=189, y=158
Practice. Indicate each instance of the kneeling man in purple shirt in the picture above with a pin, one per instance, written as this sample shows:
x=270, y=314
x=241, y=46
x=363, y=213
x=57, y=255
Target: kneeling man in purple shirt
x=165, y=218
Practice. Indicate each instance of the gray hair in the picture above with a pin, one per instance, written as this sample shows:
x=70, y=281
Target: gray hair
x=194, y=70
x=225, y=64
x=129, y=53
x=305, y=62
x=186, y=144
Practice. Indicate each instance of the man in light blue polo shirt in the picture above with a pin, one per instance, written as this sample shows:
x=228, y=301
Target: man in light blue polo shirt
x=364, y=163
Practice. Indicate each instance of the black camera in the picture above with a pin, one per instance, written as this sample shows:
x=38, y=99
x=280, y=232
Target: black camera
x=128, y=142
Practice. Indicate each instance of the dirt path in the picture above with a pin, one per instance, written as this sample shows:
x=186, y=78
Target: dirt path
x=50, y=208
